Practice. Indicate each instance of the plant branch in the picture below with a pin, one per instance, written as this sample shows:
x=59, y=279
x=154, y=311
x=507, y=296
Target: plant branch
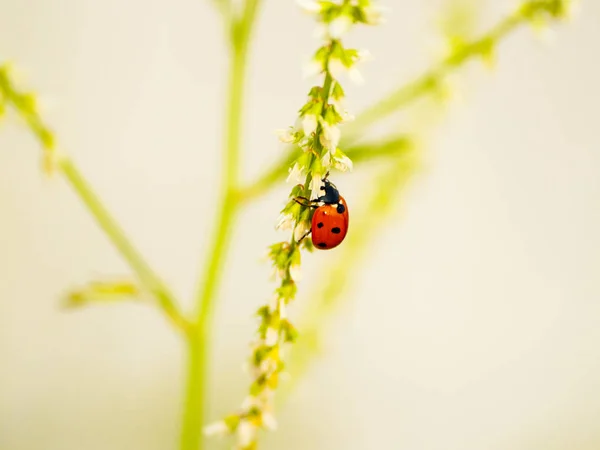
x=430, y=81
x=360, y=153
x=111, y=228
x=326, y=298
x=195, y=399
x=24, y=105
x=427, y=83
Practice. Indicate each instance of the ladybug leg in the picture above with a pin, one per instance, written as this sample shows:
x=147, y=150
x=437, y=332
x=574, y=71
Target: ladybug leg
x=303, y=237
x=308, y=203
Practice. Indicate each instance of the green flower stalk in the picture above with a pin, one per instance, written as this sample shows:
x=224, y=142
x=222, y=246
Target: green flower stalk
x=315, y=148
x=55, y=161
x=317, y=134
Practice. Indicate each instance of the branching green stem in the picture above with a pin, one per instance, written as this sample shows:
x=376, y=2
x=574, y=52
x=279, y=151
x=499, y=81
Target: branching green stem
x=429, y=82
x=24, y=105
x=359, y=154
x=426, y=84
x=199, y=338
x=328, y=292
x=111, y=228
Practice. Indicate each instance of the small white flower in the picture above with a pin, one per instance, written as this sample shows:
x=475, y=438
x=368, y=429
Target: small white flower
x=296, y=272
x=364, y=55
x=296, y=174
x=277, y=273
x=282, y=309
x=285, y=222
x=374, y=14
x=250, y=402
x=267, y=365
x=274, y=303
x=301, y=230
x=330, y=138
x=310, y=6
x=312, y=68
x=219, y=428
x=271, y=337
x=268, y=421
x=342, y=162
x=309, y=124
x=339, y=26
x=321, y=31
x=326, y=160
x=246, y=433
x=355, y=76
x=339, y=108
x=287, y=136
x=336, y=67
x=315, y=185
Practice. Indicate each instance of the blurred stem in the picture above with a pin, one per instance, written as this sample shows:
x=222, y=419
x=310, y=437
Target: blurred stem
x=329, y=291
x=147, y=276
x=426, y=84
x=384, y=148
x=429, y=82
x=199, y=338
x=24, y=105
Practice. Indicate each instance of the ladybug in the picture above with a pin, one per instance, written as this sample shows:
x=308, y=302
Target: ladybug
x=330, y=220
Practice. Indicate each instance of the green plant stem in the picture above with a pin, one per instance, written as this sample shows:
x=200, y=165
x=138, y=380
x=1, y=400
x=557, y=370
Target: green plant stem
x=359, y=154
x=108, y=224
x=199, y=338
x=327, y=296
x=24, y=105
x=426, y=84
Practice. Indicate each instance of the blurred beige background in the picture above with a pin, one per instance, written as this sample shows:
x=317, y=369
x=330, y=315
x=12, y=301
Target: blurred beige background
x=475, y=322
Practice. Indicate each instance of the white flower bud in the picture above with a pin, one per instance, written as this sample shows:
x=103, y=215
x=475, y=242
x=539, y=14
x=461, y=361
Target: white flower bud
x=339, y=26
x=216, y=429
x=355, y=76
x=301, y=229
x=250, y=402
x=310, y=6
x=246, y=432
x=309, y=124
x=296, y=272
x=285, y=222
x=312, y=68
x=285, y=135
x=296, y=174
x=268, y=421
x=282, y=309
x=342, y=163
x=271, y=337
x=374, y=14
x=336, y=67
x=315, y=185
x=330, y=138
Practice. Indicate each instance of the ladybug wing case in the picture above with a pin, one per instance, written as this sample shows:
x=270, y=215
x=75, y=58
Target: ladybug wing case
x=329, y=227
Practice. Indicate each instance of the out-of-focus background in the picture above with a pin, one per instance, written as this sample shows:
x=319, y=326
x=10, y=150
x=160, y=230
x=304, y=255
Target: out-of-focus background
x=474, y=323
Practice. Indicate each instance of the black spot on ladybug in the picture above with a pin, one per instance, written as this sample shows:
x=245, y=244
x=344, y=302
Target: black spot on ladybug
x=336, y=230
x=322, y=244
x=341, y=209
x=320, y=225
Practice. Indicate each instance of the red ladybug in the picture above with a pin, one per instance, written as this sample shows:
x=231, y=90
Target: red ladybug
x=330, y=220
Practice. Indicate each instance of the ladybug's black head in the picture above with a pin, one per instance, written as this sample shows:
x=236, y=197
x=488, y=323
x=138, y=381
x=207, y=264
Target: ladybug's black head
x=332, y=195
